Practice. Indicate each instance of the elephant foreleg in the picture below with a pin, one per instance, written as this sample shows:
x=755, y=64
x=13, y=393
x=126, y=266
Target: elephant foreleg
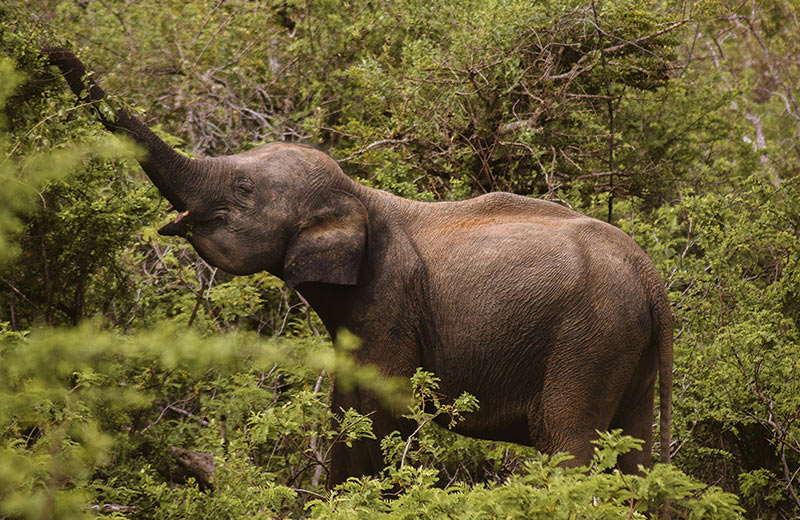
x=364, y=457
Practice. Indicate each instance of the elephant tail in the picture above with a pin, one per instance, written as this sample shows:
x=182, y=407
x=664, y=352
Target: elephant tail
x=664, y=340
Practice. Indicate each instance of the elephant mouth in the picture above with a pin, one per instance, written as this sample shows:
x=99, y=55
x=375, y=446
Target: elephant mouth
x=178, y=227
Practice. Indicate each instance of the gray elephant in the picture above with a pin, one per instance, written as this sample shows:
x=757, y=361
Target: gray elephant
x=558, y=323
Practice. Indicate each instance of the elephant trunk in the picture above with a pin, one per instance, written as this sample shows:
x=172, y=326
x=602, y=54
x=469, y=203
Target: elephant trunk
x=168, y=169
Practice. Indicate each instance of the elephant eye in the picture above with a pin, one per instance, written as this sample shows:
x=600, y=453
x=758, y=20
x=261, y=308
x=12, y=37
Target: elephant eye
x=243, y=186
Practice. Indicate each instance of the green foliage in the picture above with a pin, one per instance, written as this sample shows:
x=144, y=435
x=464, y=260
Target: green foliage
x=731, y=260
x=541, y=488
x=63, y=220
x=88, y=416
x=676, y=121
x=427, y=447
x=491, y=95
x=166, y=424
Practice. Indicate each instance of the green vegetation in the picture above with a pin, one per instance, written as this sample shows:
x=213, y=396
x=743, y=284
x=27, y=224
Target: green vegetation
x=136, y=381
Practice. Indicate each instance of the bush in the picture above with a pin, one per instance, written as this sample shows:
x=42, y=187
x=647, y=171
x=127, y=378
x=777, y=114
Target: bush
x=167, y=424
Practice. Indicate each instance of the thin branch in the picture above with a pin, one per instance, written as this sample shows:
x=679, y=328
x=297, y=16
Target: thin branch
x=637, y=41
x=200, y=420
x=374, y=145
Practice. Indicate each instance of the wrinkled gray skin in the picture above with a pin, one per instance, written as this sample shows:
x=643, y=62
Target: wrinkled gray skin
x=556, y=322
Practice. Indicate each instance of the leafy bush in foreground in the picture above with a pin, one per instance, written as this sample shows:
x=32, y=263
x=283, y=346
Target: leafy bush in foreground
x=167, y=424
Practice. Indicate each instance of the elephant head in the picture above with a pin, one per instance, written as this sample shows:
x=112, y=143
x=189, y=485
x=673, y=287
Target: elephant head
x=284, y=208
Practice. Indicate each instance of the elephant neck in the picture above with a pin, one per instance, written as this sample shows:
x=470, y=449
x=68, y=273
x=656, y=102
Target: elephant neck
x=385, y=209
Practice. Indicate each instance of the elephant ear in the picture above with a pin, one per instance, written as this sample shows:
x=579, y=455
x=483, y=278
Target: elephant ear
x=329, y=247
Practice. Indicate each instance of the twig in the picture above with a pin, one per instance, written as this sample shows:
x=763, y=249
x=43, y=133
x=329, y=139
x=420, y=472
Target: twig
x=373, y=145
x=197, y=303
x=315, y=441
x=308, y=491
x=344, y=428
x=114, y=508
x=637, y=41
x=411, y=438
x=200, y=420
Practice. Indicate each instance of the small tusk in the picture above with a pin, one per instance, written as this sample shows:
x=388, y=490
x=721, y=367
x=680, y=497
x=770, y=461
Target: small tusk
x=180, y=216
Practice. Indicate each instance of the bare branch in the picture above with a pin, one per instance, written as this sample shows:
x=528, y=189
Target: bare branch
x=370, y=146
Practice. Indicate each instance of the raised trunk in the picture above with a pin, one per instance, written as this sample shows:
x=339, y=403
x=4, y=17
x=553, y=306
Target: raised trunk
x=168, y=169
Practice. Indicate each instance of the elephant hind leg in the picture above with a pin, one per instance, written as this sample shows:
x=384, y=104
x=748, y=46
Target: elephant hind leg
x=580, y=446
x=563, y=431
x=574, y=433
x=635, y=418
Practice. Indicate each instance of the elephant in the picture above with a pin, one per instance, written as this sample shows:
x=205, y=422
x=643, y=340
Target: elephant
x=557, y=322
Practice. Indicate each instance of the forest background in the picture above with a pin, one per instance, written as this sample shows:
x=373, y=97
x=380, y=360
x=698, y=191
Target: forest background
x=136, y=381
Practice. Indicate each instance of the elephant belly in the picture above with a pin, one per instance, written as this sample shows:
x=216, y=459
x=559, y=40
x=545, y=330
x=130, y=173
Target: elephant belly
x=496, y=421
x=525, y=387
x=506, y=378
